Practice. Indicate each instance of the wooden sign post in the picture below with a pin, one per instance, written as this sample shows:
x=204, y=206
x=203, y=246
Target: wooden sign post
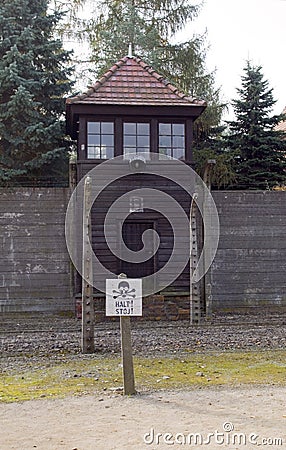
x=127, y=357
x=124, y=299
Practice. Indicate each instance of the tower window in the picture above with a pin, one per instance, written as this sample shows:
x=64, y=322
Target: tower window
x=100, y=140
x=172, y=139
x=136, y=138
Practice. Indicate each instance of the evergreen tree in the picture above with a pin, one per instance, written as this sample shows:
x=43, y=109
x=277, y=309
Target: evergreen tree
x=150, y=28
x=33, y=82
x=261, y=161
x=211, y=145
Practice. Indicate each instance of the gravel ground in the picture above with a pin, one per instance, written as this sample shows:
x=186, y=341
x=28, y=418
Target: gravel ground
x=81, y=422
x=29, y=338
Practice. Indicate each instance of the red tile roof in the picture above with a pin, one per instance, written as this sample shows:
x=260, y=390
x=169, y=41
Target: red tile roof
x=282, y=125
x=132, y=82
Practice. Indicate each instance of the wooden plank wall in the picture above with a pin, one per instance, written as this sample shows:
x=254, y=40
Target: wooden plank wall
x=248, y=271
x=34, y=264
x=162, y=226
x=250, y=266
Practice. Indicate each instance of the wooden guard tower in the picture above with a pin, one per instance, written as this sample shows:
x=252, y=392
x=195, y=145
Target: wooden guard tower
x=133, y=109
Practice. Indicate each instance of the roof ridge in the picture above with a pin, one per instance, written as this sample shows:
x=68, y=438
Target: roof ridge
x=167, y=83
x=92, y=90
x=108, y=74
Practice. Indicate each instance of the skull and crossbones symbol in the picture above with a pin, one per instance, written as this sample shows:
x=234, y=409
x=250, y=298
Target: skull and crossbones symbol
x=124, y=291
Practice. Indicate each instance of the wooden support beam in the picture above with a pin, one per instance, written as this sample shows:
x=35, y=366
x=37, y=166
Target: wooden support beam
x=195, y=301
x=87, y=337
x=207, y=278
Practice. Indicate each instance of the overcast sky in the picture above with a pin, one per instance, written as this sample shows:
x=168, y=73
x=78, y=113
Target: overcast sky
x=238, y=30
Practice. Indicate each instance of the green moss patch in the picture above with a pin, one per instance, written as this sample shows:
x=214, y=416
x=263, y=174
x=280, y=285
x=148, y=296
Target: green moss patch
x=95, y=373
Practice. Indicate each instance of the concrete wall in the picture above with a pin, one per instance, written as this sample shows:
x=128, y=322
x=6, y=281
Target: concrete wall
x=250, y=266
x=34, y=264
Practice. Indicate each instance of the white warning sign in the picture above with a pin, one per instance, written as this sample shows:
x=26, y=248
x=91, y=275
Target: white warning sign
x=124, y=297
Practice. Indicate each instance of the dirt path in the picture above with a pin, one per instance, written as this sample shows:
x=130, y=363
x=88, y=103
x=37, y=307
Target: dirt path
x=109, y=422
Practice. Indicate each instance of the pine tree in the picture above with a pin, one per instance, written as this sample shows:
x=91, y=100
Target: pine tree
x=34, y=76
x=150, y=27
x=223, y=174
x=261, y=162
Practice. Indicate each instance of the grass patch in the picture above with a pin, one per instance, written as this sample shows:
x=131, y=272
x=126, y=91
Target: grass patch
x=97, y=373
x=214, y=369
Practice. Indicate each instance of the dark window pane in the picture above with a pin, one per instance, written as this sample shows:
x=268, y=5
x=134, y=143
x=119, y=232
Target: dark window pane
x=97, y=152
x=143, y=141
x=165, y=151
x=107, y=127
x=130, y=128
x=165, y=129
x=178, y=129
x=109, y=152
x=179, y=153
x=136, y=137
x=142, y=150
x=107, y=140
x=129, y=150
x=143, y=129
x=93, y=152
x=93, y=127
x=90, y=152
x=179, y=141
x=100, y=140
x=130, y=141
x=103, y=153
x=93, y=139
x=164, y=141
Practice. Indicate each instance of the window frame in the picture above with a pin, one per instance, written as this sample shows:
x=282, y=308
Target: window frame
x=136, y=121
x=118, y=133
x=173, y=122
x=101, y=135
